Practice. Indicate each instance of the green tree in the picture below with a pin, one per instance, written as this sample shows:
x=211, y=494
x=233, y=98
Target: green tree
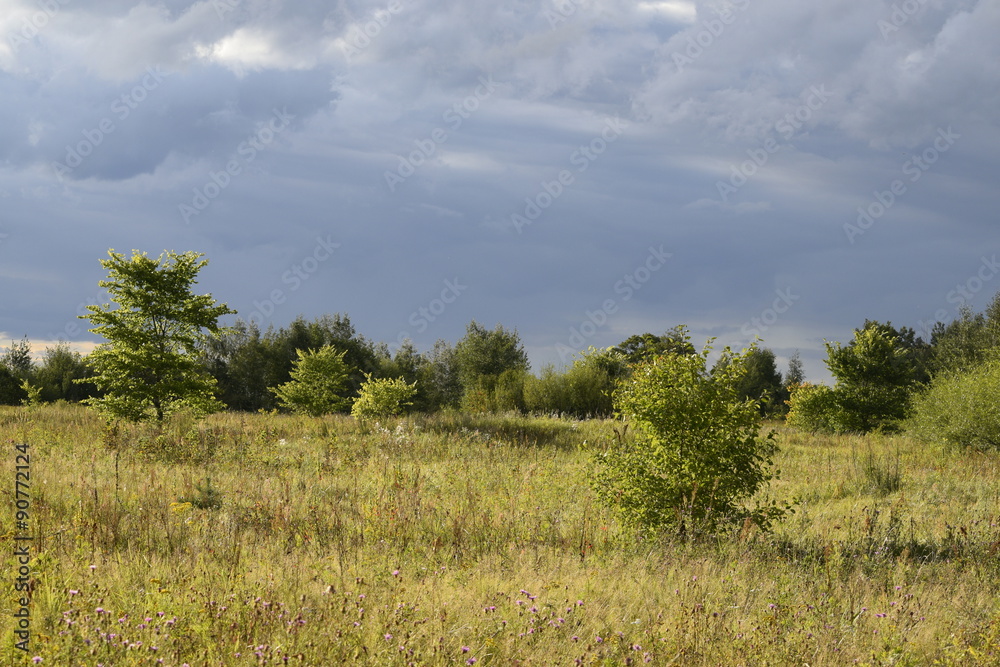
x=960, y=408
x=875, y=379
x=17, y=358
x=491, y=362
x=63, y=375
x=319, y=383
x=640, y=347
x=761, y=380
x=148, y=368
x=697, y=458
x=11, y=390
x=383, y=397
x=438, y=379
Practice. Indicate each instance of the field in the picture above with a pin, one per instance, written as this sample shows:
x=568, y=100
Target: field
x=459, y=539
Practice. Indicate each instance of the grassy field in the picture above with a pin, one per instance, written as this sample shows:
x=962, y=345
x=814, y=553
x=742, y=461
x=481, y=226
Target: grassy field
x=454, y=539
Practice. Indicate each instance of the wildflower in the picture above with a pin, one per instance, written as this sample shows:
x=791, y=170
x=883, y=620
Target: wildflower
x=395, y=573
x=388, y=636
x=37, y=659
x=470, y=661
x=99, y=610
x=574, y=638
x=465, y=649
x=72, y=592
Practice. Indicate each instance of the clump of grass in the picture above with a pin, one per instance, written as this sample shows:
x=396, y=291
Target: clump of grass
x=882, y=472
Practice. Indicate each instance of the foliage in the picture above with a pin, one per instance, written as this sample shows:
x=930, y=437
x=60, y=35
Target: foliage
x=63, y=375
x=11, y=390
x=148, y=368
x=583, y=390
x=319, y=383
x=638, y=348
x=205, y=496
x=698, y=456
x=761, y=380
x=814, y=408
x=483, y=355
x=961, y=409
x=966, y=341
x=876, y=376
x=17, y=358
x=247, y=362
x=383, y=397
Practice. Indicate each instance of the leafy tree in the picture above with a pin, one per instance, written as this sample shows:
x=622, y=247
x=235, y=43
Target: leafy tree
x=814, y=408
x=438, y=379
x=875, y=378
x=548, y=392
x=148, y=368
x=640, y=347
x=698, y=456
x=966, y=341
x=489, y=361
x=959, y=409
x=62, y=375
x=383, y=397
x=17, y=358
x=761, y=380
x=11, y=390
x=319, y=383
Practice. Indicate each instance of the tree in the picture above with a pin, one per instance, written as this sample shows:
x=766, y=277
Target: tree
x=383, y=397
x=490, y=362
x=148, y=368
x=698, y=456
x=63, y=375
x=875, y=379
x=959, y=409
x=438, y=379
x=796, y=374
x=319, y=383
x=17, y=358
x=641, y=347
x=11, y=390
x=761, y=380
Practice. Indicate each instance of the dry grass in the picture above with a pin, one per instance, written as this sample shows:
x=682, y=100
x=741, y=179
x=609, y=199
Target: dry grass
x=455, y=539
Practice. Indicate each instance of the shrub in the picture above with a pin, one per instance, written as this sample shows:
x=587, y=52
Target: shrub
x=960, y=409
x=383, y=397
x=698, y=456
x=318, y=384
x=813, y=408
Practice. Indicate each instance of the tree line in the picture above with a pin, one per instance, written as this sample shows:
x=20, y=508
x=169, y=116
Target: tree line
x=881, y=375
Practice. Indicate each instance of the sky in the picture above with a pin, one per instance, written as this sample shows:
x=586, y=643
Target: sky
x=578, y=170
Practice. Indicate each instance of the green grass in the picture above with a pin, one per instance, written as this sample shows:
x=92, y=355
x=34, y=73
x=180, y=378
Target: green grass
x=451, y=538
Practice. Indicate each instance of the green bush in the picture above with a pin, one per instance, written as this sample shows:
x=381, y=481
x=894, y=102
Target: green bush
x=698, y=457
x=960, y=409
x=813, y=408
x=318, y=384
x=383, y=397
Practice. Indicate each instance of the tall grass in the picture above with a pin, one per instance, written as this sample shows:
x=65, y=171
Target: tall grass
x=464, y=539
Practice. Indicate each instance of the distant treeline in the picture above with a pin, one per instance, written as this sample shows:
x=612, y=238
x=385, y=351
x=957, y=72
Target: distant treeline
x=487, y=370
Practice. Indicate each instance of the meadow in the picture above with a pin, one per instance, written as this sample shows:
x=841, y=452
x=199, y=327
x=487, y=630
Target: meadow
x=457, y=539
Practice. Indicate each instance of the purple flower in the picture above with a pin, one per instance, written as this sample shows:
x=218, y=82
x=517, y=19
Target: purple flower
x=388, y=636
x=37, y=659
x=470, y=661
